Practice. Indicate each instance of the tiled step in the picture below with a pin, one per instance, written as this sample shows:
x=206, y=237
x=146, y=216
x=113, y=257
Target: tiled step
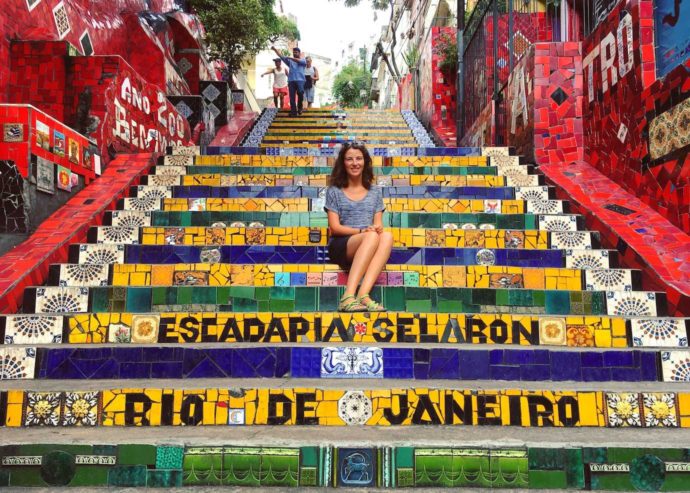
x=154, y=201
x=94, y=275
x=331, y=402
x=171, y=177
x=342, y=362
x=254, y=254
x=536, y=194
x=213, y=327
x=302, y=236
x=566, y=225
x=51, y=300
x=276, y=458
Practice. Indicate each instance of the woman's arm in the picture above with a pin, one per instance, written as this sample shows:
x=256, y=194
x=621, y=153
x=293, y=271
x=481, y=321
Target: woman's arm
x=316, y=74
x=338, y=229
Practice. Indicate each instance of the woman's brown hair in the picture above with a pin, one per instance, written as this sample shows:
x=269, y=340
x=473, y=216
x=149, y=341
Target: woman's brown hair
x=339, y=174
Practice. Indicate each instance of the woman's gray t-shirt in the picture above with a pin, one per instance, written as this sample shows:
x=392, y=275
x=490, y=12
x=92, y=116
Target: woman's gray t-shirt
x=355, y=213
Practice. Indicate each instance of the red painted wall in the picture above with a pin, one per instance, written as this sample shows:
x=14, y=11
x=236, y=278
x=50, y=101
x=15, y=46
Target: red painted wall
x=621, y=105
x=113, y=27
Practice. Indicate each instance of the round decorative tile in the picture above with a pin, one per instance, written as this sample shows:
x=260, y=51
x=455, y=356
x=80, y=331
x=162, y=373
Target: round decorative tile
x=647, y=473
x=210, y=256
x=486, y=257
x=355, y=408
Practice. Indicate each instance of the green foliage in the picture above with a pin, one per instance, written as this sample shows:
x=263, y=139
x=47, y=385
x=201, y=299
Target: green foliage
x=349, y=85
x=411, y=57
x=447, y=49
x=375, y=4
x=238, y=29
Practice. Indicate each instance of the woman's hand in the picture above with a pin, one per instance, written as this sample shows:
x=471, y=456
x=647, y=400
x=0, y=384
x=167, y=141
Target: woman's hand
x=374, y=228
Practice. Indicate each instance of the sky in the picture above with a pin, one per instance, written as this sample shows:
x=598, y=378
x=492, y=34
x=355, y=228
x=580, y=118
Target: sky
x=326, y=25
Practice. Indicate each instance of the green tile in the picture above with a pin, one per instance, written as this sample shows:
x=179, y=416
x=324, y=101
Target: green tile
x=139, y=302
x=262, y=294
x=185, y=294
x=281, y=305
x=597, y=455
x=547, y=479
x=91, y=476
x=202, y=469
x=411, y=279
x=4, y=477
x=99, y=300
x=159, y=296
x=549, y=459
x=575, y=470
x=418, y=306
x=279, y=470
x=404, y=456
x=205, y=296
x=164, y=478
x=244, y=304
x=242, y=468
x=329, y=298
x=307, y=476
x=557, y=302
x=309, y=456
x=127, y=476
x=283, y=293
x=242, y=292
x=136, y=455
x=169, y=457
x=306, y=300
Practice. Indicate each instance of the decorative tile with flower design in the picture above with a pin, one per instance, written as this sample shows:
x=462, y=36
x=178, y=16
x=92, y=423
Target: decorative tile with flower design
x=81, y=409
x=580, y=336
x=660, y=409
x=552, y=331
x=623, y=409
x=145, y=329
x=42, y=408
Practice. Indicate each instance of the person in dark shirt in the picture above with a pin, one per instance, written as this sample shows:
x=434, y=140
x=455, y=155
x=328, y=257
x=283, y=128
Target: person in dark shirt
x=296, y=79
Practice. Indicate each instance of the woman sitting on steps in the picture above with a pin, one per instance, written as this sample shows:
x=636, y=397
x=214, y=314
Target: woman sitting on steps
x=355, y=220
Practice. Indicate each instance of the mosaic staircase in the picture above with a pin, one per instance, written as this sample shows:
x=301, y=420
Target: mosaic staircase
x=206, y=302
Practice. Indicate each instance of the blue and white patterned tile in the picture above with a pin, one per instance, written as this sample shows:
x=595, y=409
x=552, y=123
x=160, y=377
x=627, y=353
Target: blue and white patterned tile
x=130, y=219
x=186, y=151
x=608, y=280
x=587, y=259
x=33, y=329
x=495, y=151
x=659, y=332
x=532, y=193
x=516, y=176
x=158, y=192
x=558, y=222
x=351, y=362
x=170, y=170
x=631, y=304
x=179, y=160
x=17, y=363
x=571, y=240
x=87, y=275
x=101, y=254
x=675, y=366
x=117, y=235
x=545, y=206
x=142, y=204
x=52, y=299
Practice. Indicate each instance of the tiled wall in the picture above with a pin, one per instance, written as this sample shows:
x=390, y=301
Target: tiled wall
x=104, y=98
x=125, y=35
x=633, y=122
x=167, y=466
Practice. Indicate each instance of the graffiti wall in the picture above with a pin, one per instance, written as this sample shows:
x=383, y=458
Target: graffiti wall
x=635, y=124
x=102, y=97
x=113, y=27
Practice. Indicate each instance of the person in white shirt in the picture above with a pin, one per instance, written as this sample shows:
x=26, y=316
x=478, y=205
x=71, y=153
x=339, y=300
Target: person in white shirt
x=311, y=75
x=280, y=82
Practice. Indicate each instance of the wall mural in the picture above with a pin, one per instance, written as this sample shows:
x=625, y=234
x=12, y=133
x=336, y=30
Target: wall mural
x=634, y=129
x=102, y=28
x=671, y=18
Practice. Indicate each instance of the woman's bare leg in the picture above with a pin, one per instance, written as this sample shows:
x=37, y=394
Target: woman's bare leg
x=377, y=263
x=360, y=250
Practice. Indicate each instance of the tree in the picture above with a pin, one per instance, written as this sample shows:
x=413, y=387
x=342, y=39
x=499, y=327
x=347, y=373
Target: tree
x=351, y=86
x=237, y=29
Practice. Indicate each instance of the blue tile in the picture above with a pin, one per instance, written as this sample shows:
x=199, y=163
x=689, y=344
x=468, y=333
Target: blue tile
x=474, y=365
x=592, y=360
x=505, y=372
x=566, y=366
x=618, y=358
x=535, y=373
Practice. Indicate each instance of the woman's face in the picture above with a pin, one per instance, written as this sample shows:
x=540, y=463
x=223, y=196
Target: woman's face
x=354, y=163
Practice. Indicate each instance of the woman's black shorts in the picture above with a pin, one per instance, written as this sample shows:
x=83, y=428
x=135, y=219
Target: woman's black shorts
x=337, y=251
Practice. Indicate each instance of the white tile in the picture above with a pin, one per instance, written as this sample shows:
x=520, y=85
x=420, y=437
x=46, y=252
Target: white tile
x=532, y=193
x=608, y=280
x=52, y=299
x=631, y=304
x=88, y=275
x=17, y=363
x=558, y=222
x=545, y=206
x=101, y=254
x=110, y=235
x=351, y=362
x=132, y=219
x=675, y=366
x=659, y=332
x=33, y=329
x=571, y=240
x=587, y=259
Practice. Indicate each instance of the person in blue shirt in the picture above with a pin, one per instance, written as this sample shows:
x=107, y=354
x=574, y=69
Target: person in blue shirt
x=296, y=79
